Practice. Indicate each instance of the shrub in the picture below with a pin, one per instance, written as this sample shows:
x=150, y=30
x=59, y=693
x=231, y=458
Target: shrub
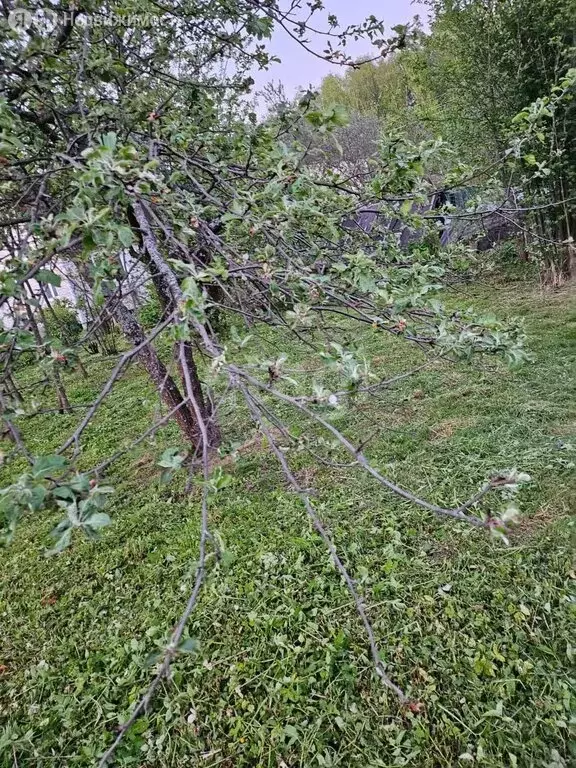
x=150, y=312
x=62, y=323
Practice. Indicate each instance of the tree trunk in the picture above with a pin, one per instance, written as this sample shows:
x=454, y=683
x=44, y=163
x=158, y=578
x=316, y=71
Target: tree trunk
x=207, y=414
x=99, y=326
x=11, y=431
x=63, y=402
x=168, y=290
x=167, y=387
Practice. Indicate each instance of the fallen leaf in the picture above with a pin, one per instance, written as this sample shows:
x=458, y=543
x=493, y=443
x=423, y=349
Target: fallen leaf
x=48, y=600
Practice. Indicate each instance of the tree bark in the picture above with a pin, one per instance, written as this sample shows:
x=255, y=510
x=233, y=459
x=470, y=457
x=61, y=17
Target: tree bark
x=63, y=402
x=168, y=291
x=165, y=384
x=207, y=413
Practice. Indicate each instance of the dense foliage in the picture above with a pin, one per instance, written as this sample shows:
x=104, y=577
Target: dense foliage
x=62, y=323
x=471, y=79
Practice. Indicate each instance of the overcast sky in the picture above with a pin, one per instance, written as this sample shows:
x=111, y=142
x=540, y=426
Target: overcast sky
x=299, y=68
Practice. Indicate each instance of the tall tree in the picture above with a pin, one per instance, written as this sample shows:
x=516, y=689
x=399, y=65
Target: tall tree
x=486, y=62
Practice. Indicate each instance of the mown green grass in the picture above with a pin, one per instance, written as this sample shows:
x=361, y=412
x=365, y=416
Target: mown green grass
x=483, y=635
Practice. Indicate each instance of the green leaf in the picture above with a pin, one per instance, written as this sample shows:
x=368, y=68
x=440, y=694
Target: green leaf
x=109, y=140
x=154, y=658
x=63, y=542
x=98, y=520
x=46, y=276
x=80, y=484
x=38, y=495
x=339, y=115
x=227, y=558
x=291, y=732
x=237, y=207
x=63, y=492
x=62, y=526
x=125, y=236
x=171, y=458
x=219, y=480
x=188, y=645
x=45, y=465
x=166, y=476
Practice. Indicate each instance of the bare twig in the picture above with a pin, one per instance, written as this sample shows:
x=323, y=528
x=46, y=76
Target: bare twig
x=172, y=648
x=116, y=373
x=318, y=525
x=456, y=512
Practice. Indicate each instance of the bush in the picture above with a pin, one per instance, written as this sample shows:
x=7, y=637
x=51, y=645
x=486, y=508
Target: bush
x=108, y=338
x=513, y=262
x=150, y=313
x=62, y=323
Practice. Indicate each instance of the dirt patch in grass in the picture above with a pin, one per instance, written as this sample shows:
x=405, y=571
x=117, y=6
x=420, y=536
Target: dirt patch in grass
x=440, y=551
x=396, y=416
x=445, y=429
x=306, y=477
x=145, y=466
x=256, y=444
x=567, y=429
x=530, y=527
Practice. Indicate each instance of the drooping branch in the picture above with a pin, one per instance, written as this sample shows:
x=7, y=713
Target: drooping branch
x=172, y=648
x=14, y=432
x=457, y=513
x=118, y=370
x=336, y=559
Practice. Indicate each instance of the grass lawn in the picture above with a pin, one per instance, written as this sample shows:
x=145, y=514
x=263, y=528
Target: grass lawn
x=482, y=634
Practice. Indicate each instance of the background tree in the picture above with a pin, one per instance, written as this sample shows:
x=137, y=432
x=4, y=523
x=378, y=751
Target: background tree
x=351, y=145
x=480, y=66
x=486, y=62
x=391, y=90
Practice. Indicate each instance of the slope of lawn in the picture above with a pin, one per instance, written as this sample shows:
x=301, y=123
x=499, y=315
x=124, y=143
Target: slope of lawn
x=482, y=635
